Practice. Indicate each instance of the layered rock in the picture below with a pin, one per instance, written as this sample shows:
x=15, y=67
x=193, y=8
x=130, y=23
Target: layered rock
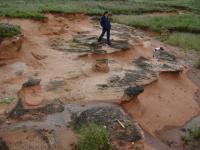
x=142, y=71
x=121, y=127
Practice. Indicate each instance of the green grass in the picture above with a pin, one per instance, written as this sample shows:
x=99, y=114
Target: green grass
x=8, y=30
x=185, y=22
x=192, y=137
x=34, y=8
x=185, y=40
x=93, y=137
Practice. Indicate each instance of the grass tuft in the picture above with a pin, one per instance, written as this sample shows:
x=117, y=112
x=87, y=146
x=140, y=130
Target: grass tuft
x=93, y=137
x=8, y=30
x=192, y=137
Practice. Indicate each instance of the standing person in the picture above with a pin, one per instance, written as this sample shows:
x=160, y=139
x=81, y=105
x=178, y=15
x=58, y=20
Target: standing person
x=106, y=26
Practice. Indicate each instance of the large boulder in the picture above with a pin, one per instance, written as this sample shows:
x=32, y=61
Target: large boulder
x=121, y=127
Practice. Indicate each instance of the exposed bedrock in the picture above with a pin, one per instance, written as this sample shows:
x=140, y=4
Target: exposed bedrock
x=10, y=47
x=121, y=127
x=133, y=77
x=100, y=65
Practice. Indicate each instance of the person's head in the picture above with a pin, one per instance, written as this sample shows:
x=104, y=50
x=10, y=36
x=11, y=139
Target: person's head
x=105, y=13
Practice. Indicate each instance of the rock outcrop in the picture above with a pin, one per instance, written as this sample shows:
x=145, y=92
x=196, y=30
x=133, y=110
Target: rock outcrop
x=10, y=47
x=142, y=71
x=121, y=127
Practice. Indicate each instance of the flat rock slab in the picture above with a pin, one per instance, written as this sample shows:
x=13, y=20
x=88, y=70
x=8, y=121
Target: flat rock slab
x=33, y=139
x=141, y=72
x=19, y=111
x=88, y=44
x=110, y=116
x=121, y=127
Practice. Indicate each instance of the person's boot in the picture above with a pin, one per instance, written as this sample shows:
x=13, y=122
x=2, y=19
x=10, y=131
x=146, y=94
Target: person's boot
x=109, y=43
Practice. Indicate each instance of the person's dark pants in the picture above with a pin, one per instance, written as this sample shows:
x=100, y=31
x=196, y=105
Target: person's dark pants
x=103, y=33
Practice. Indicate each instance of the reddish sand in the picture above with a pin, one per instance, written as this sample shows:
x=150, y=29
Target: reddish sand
x=167, y=102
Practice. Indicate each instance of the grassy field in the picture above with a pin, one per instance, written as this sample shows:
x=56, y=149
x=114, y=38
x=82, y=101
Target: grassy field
x=185, y=40
x=183, y=22
x=35, y=8
x=182, y=16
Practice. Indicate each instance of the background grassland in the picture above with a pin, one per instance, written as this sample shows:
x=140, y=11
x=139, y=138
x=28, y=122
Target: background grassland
x=34, y=8
x=179, y=22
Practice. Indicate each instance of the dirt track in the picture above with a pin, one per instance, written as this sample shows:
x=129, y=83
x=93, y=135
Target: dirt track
x=67, y=76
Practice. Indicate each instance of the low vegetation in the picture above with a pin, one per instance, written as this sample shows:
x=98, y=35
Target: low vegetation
x=8, y=30
x=192, y=137
x=185, y=22
x=188, y=41
x=93, y=137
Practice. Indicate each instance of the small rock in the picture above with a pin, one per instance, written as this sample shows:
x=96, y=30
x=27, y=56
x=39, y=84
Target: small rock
x=101, y=65
x=55, y=84
x=132, y=92
x=32, y=82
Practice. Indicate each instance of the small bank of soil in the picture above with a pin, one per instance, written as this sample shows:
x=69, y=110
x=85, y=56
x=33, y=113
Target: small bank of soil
x=167, y=102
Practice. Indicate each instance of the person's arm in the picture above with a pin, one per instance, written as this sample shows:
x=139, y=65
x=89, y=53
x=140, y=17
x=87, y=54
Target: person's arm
x=103, y=22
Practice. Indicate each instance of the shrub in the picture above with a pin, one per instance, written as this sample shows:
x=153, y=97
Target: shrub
x=93, y=137
x=8, y=30
x=191, y=136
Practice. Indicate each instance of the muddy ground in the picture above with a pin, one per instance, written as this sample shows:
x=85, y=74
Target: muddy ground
x=58, y=63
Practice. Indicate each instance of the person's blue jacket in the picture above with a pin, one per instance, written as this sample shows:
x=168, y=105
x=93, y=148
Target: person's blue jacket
x=105, y=23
